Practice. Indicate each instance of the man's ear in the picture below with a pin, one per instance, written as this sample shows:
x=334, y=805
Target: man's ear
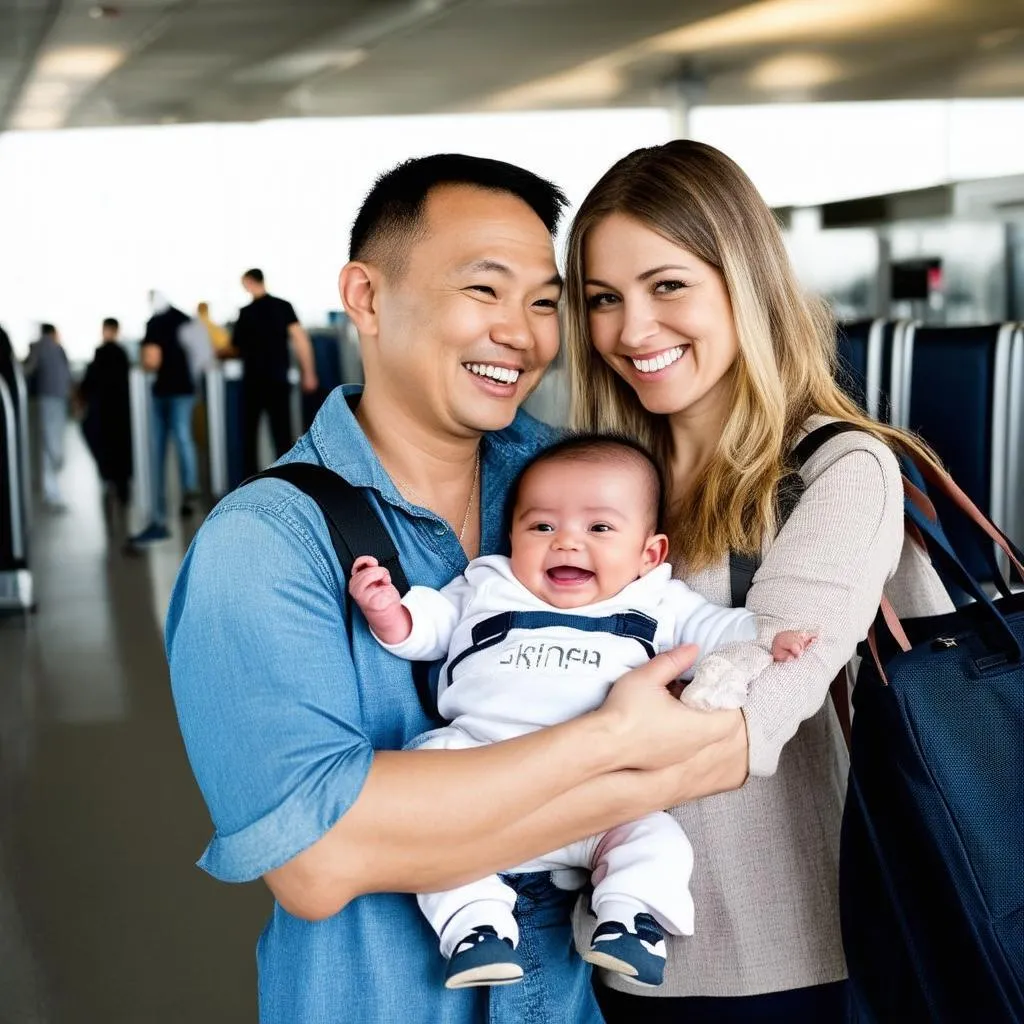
x=357, y=286
x=655, y=552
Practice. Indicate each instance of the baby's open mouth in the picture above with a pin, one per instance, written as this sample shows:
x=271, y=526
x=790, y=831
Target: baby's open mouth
x=569, y=575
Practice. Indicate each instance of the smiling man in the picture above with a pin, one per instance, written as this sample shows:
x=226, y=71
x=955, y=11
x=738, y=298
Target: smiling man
x=295, y=728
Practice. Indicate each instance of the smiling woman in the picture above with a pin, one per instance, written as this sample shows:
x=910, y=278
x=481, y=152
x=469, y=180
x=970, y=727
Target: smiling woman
x=688, y=331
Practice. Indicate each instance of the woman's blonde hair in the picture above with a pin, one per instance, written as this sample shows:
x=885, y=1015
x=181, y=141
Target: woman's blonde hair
x=699, y=199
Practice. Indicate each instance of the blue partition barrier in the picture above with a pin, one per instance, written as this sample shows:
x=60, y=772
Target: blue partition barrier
x=955, y=392
x=327, y=356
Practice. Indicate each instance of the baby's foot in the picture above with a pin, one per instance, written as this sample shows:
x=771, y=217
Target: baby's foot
x=482, y=958
x=636, y=952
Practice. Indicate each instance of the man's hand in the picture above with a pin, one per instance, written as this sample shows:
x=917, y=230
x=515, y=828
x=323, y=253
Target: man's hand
x=378, y=599
x=310, y=381
x=647, y=725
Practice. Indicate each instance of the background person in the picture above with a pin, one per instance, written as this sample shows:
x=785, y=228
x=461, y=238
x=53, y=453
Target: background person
x=107, y=422
x=47, y=368
x=220, y=336
x=174, y=397
x=688, y=331
x=261, y=336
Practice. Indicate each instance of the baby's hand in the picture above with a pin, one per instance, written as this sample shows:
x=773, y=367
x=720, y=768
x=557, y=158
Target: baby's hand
x=371, y=588
x=791, y=643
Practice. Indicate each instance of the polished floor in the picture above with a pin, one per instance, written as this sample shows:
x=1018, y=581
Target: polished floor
x=104, y=918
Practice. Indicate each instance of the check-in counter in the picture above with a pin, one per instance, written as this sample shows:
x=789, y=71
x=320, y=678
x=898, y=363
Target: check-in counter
x=140, y=393
x=224, y=426
x=16, y=587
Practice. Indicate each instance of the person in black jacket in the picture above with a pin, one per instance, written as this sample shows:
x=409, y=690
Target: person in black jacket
x=107, y=420
x=174, y=396
x=262, y=335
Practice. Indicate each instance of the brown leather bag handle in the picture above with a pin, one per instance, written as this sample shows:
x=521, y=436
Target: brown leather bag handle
x=945, y=483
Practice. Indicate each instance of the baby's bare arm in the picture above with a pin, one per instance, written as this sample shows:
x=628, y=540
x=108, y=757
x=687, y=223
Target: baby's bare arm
x=378, y=599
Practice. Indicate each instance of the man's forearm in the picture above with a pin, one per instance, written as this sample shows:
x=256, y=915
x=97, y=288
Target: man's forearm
x=609, y=800
x=431, y=820
x=421, y=814
x=428, y=819
x=303, y=349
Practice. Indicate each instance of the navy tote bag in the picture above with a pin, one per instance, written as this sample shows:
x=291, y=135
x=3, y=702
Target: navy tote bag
x=932, y=846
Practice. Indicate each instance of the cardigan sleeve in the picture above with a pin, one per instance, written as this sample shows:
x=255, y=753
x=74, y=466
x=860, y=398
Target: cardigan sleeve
x=825, y=572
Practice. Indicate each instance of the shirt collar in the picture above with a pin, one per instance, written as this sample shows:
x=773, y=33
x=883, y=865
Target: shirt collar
x=342, y=446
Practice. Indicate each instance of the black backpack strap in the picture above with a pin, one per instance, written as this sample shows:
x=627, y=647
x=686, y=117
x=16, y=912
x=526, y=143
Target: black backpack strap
x=791, y=488
x=741, y=575
x=355, y=529
x=821, y=436
x=354, y=526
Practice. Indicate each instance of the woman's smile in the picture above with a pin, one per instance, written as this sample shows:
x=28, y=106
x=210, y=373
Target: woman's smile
x=655, y=365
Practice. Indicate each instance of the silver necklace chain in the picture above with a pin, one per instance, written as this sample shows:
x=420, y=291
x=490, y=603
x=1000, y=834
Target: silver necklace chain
x=411, y=492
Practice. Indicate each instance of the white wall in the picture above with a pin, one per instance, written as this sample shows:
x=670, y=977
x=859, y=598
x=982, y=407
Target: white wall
x=90, y=220
x=808, y=153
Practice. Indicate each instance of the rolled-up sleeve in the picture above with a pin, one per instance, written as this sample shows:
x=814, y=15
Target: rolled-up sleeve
x=264, y=686
x=824, y=572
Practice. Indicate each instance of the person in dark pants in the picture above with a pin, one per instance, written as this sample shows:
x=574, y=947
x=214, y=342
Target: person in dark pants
x=174, y=396
x=261, y=337
x=819, y=1003
x=107, y=423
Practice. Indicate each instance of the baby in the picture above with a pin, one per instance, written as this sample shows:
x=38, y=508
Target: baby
x=539, y=638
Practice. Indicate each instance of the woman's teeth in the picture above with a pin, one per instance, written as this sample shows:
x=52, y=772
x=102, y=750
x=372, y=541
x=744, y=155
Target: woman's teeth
x=660, y=361
x=502, y=374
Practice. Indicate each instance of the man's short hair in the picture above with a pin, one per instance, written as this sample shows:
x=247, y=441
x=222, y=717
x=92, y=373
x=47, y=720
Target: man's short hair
x=601, y=448
x=47, y=329
x=110, y=324
x=254, y=274
x=391, y=217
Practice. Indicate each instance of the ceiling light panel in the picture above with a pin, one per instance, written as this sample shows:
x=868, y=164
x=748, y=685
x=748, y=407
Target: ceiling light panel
x=789, y=21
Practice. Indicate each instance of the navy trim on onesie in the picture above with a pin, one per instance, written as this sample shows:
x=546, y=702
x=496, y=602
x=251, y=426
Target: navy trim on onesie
x=631, y=625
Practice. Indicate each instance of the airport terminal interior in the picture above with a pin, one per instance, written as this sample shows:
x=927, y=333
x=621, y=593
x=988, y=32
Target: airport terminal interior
x=156, y=145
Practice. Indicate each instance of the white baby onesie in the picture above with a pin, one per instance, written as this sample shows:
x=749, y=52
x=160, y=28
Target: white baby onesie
x=543, y=676
x=504, y=677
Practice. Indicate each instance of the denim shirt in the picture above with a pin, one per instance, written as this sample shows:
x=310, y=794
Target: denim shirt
x=281, y=710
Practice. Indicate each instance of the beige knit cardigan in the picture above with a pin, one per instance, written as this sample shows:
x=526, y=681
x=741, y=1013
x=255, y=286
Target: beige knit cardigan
x=765, y=877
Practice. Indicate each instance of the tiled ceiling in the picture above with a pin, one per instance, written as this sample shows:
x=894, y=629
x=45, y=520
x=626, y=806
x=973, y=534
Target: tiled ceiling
x=73, y=63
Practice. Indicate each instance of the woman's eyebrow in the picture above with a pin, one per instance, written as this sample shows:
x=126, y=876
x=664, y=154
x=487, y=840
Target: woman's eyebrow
x=657, y=270
x=640, y=277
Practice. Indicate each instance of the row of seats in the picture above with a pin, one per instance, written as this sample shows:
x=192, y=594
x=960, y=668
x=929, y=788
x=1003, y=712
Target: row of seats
x=16, y=591
x=960, y=388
